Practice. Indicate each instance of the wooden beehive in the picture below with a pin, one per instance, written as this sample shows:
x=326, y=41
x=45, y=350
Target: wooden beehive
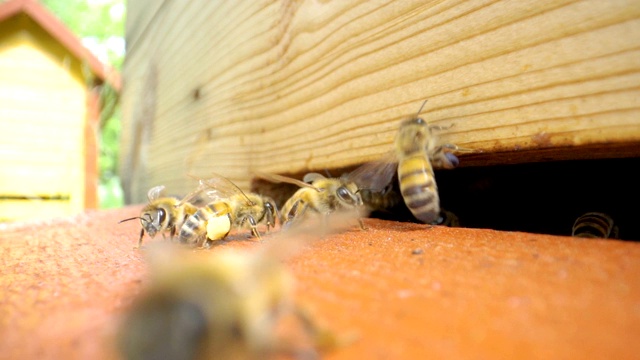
x=49, y=115
x=295, y=86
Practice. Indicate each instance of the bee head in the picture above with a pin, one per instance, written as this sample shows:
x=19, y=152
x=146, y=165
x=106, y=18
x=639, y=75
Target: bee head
x=413, y=135
x=152, y=220
x=418, y=121
x=414, y=122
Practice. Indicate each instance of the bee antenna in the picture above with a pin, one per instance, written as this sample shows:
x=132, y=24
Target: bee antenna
x=421, y=107
x=137, y=217
x=129, y=219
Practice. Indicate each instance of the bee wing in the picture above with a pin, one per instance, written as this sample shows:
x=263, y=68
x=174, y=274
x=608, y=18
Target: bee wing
x=197, y=192
x=155, y=192
x=216, y=187
x=311, y=177
x=275, y=178
x=375, y=175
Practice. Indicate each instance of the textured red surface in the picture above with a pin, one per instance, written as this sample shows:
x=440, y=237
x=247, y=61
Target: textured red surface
x=404, y=290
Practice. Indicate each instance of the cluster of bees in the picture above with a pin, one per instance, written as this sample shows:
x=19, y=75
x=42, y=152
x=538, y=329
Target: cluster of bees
x=417, y=152
x=225, y=304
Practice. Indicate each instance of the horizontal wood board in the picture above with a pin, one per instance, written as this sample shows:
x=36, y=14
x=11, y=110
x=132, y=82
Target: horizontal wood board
x=289, y=87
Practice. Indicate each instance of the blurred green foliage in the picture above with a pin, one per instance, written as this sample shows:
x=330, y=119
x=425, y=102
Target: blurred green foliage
x=100, y=25
x=99, y=20
x=110, y=190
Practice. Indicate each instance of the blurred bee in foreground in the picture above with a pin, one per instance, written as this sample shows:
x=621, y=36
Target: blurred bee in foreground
x=417, y=151
x=224, y=304
x=595, y=225
x=162, y=214
x=229, y=208
x=318, y=194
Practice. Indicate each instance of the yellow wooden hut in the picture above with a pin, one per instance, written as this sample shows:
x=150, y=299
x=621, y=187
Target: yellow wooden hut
x=49, y=115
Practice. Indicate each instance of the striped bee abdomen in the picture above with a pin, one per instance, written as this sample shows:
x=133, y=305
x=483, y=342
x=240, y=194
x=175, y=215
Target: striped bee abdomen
x=194, y=227
x=595, y=225
x=418, y=188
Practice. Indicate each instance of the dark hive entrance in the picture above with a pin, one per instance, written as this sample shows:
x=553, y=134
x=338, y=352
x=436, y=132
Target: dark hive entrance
x=544, y=197
x=540, y=197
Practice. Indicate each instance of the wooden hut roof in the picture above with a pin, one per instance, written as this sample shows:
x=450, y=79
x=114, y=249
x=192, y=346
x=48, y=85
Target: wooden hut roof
x=54, y=27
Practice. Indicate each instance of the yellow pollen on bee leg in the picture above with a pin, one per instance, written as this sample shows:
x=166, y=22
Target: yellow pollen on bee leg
x=218, y=227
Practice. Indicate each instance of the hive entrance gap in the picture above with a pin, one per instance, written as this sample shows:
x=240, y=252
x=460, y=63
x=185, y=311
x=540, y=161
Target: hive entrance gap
x=543, y=198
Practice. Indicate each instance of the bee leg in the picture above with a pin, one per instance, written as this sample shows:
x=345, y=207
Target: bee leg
x=449, y=146
x=286, y=218
x=440, y=127
x=270, y=224
x=297, y=211
x=454, y=147
x=443, y=159
x=271, y=213
x=172, y=233
x=140, y=239
x=362, y=227
x=254, y=226
x=202, y=240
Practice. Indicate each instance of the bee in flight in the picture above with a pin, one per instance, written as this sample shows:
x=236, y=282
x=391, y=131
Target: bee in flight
x=162, y=214
x=417, y=151
x=317, y=194
x=229, y=207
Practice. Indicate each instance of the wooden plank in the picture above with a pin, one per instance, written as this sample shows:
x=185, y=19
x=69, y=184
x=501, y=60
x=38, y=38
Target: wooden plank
x=291, y=87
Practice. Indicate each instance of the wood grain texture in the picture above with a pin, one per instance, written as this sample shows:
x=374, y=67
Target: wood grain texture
x=294, y=86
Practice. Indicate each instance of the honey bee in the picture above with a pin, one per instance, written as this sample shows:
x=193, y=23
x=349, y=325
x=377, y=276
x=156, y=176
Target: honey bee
x=317, y=194
x=162, y=214
x=229, y=208
x=221, y=305
x=595, y=225
x=416, y=153
x=415, y=146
